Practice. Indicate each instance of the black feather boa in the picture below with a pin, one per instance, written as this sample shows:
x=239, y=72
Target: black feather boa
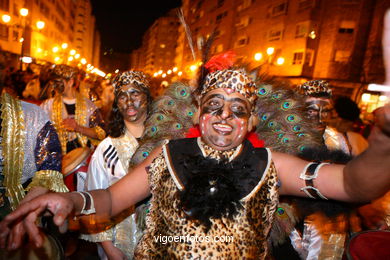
x=213, y=189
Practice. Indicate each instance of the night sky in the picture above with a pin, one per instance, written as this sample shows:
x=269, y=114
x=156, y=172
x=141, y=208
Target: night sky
x=122, y=23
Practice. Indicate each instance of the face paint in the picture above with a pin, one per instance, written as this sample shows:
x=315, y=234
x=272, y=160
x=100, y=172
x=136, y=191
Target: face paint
x=320, y=111
x=132, y=103
x=224, y=119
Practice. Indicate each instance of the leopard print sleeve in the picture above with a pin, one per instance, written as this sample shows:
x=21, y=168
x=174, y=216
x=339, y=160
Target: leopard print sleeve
x=155, y=169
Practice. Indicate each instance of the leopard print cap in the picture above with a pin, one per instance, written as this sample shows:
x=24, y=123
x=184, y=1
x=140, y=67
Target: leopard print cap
x=64, y=71
x=233, y=79
x=314, y=87
x=130, y=77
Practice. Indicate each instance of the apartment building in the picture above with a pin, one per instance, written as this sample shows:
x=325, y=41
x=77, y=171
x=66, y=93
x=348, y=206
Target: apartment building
x=47, y=30
x=158, y=45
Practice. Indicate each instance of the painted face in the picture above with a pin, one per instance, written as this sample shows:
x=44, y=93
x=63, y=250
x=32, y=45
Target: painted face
x=224, y=118
x=320, y=111
x=132, y=103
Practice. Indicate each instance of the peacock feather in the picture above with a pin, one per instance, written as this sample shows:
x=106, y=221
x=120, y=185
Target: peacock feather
x=285, y=221
x=281, y=122
x=170, y=118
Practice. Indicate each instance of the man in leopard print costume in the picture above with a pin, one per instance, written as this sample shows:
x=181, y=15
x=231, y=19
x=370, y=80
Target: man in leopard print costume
x=214, y=196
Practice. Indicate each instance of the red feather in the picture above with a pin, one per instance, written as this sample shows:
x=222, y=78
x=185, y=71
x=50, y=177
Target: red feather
x=221, y=61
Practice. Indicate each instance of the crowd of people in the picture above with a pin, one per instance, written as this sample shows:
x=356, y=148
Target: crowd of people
x=218, y=194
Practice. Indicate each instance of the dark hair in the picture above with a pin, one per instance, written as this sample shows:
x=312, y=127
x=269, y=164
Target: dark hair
x=347, y=109
x=116, y=124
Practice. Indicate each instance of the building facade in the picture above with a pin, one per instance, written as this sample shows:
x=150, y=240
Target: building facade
x=50, y=29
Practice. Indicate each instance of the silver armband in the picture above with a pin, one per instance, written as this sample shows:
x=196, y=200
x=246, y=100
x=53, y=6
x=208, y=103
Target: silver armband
x=309, y=173
x=88, y=203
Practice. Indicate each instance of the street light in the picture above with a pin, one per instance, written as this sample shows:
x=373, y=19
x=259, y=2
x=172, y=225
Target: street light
x=23, y=12
x=258, y=56
x=270, y=50
x=40, y=25
x=6, y=18
x=64, y=45
x=280, y=61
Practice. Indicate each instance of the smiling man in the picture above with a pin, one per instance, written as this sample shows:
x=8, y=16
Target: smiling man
x=225, y=113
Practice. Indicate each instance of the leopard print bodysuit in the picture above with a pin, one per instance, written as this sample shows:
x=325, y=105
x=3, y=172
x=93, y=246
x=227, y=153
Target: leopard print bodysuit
x=170, y=235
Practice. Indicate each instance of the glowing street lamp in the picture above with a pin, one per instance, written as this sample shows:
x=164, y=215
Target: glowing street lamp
x=55, y=49
x=258, y=56
x=155, y=74
x=193, y=68
x=169, y=72
x=70, y=58
x=174, y=69
x=23, y=12
x=312, y=35
x=270, y=50
x=163, y=75
x=180, y=73
x=83, y=61
x=64, y=46
x=77, y=56
x=72, y=52
x=280, y=61
x=40, y=25
x=57, y=59
x=6, y=18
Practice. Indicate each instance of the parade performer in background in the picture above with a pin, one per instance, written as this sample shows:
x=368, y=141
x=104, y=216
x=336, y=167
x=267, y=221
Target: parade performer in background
x=30, y=154
x=320, y=107
x=110, y=161
x=76, y=119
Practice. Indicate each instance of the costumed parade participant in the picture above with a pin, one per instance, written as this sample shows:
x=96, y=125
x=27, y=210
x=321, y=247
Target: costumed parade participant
x=76, y=118
x=110, y=161
x=218, y=185
x=320, y=230
x=30, y=153
x=320, y=106
x=30, y=157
